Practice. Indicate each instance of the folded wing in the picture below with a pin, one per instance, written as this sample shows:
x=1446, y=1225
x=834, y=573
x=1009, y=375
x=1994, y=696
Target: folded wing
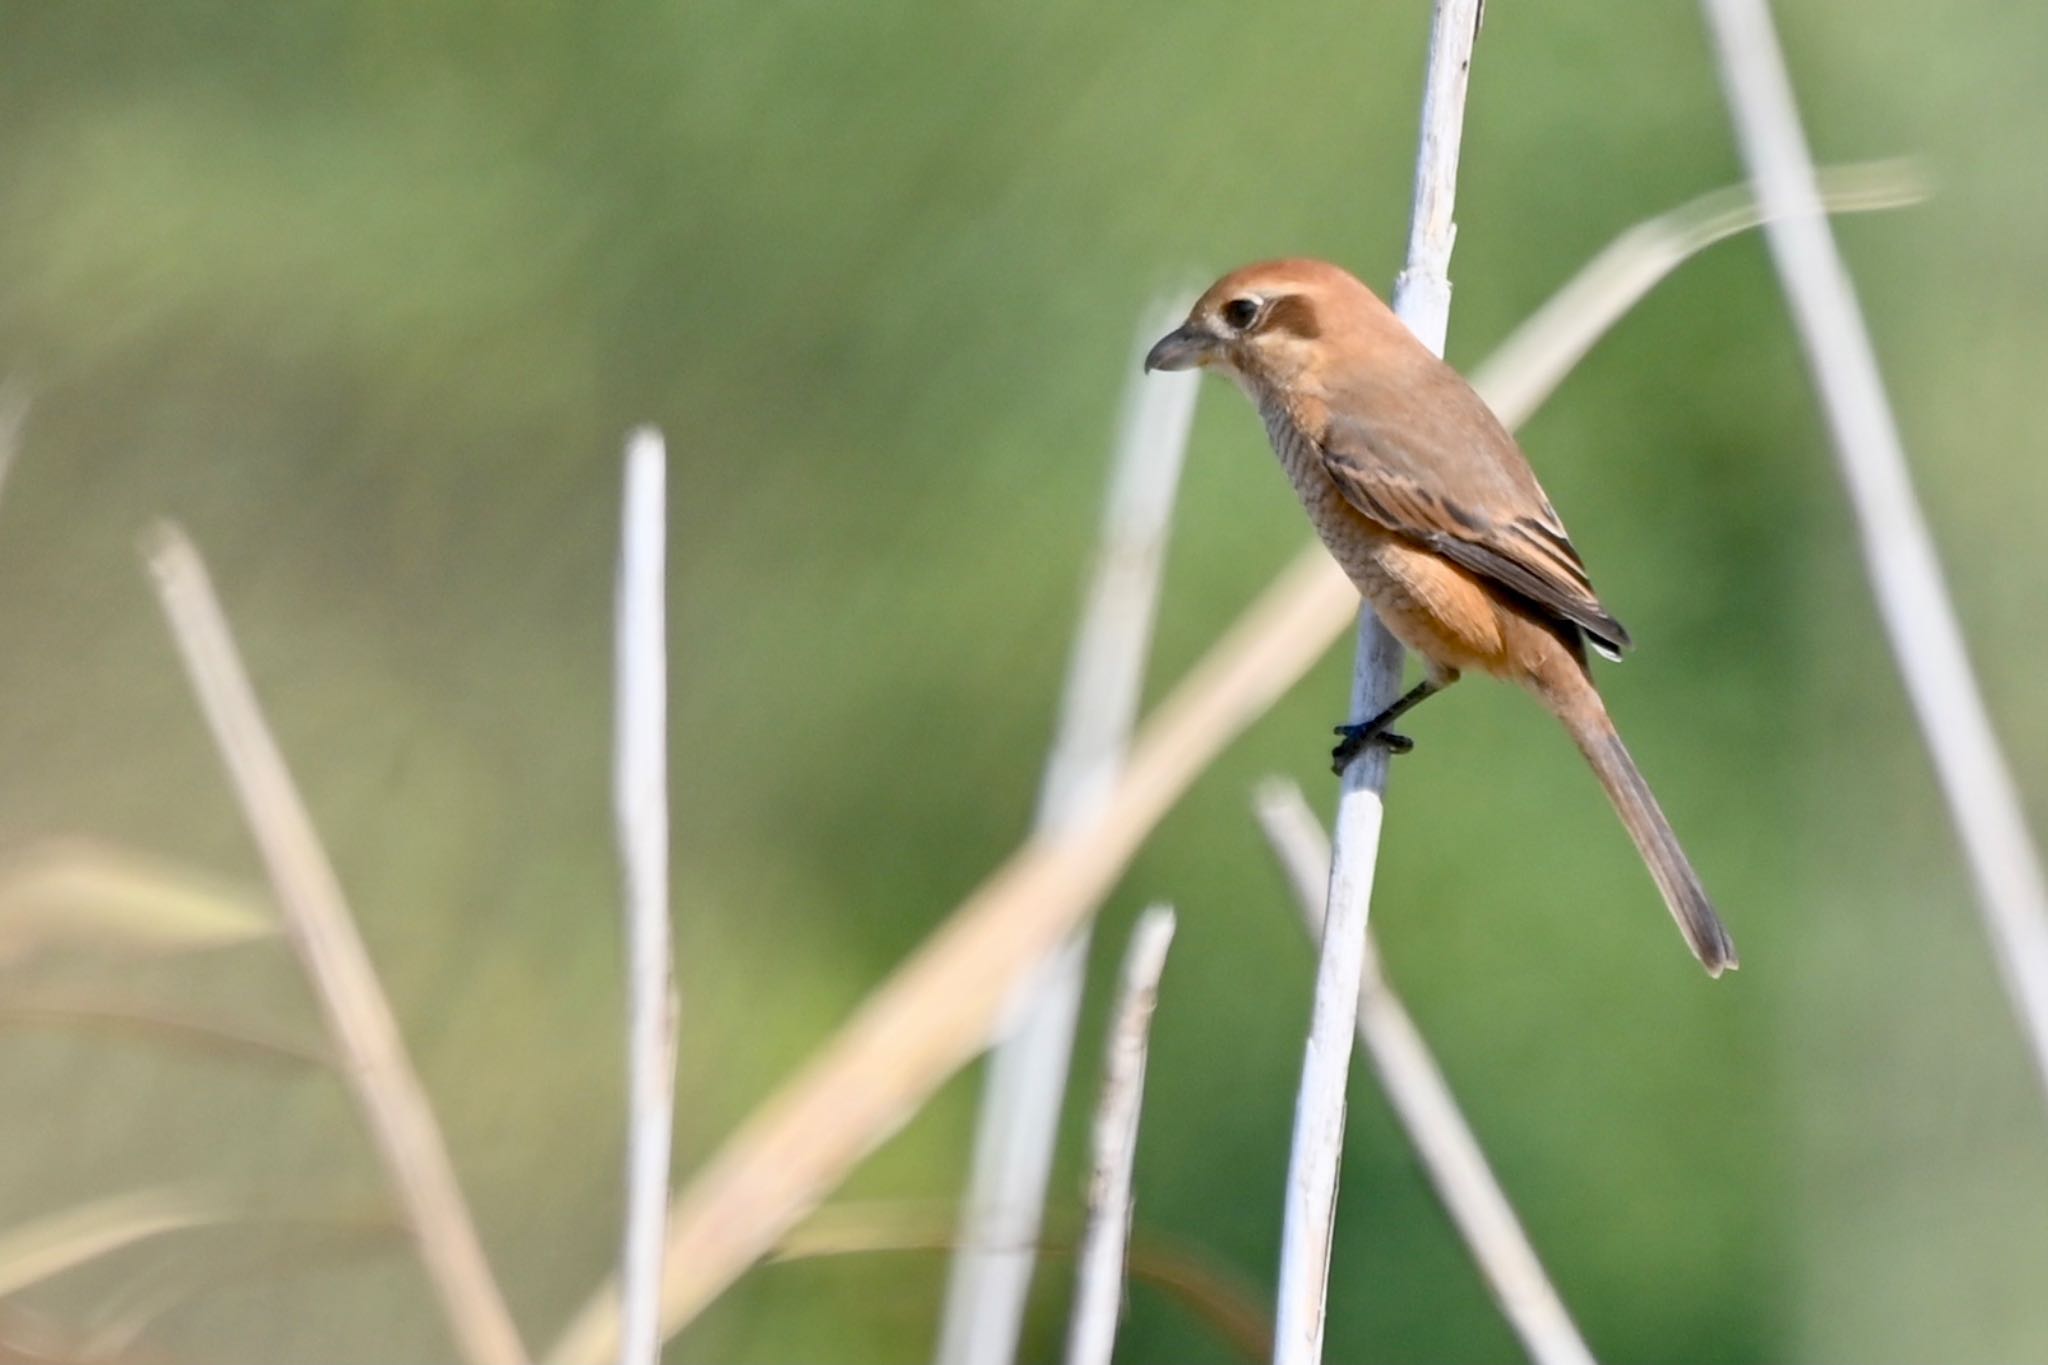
x=1434, y=466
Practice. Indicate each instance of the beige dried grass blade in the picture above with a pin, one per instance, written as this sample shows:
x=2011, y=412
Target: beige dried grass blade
x=936, y=1011
x=46, y=1247
x=77, y=893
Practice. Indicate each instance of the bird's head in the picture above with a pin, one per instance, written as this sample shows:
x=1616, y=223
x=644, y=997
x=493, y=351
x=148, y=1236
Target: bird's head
x=1267, y=325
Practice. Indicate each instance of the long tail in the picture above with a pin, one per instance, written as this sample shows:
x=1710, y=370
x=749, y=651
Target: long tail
x=1586, y=717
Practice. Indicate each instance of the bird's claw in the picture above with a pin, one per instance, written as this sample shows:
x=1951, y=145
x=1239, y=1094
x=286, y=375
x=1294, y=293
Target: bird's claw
x=1356, y=737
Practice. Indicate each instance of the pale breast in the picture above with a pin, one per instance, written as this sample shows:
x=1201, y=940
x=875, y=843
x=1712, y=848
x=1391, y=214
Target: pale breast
x=1351, y=539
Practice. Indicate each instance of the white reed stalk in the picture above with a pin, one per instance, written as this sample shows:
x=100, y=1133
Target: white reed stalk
x=938, y=1009
x=1422, y=298
x=323, y=933
x=640, y=797
x=1027, y=1078
x=1423, y=1103
x=1106, y=1235
x=1898, y=551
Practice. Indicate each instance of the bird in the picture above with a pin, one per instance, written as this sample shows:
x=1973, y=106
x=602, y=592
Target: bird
x=1433, y=511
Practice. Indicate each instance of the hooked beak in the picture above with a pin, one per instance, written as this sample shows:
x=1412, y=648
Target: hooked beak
x=1185, y=347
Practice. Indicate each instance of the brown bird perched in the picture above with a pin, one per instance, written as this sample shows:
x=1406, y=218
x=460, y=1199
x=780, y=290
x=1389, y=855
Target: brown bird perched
x=1433, y=511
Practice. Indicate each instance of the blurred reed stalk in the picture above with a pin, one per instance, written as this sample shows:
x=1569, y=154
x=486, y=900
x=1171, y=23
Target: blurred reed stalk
x=322, y=931
x=640, y=798
x=1422, y=1101
x=1898, y=550
x=937, y=1010
x=1422, y=299
x=13, y=418
x=1018, y=1126
x=1106, y=1233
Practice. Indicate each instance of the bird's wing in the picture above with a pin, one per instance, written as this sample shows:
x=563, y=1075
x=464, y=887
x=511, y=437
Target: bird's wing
x=1433, y=465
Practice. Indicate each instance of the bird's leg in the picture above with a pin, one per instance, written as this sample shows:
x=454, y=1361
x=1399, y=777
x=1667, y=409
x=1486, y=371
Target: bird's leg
x=1356, y=737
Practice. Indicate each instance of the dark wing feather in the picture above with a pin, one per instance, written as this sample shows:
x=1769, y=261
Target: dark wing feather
x=1477, y=505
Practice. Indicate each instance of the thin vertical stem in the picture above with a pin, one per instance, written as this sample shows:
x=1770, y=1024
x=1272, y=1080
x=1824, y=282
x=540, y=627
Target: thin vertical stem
x=1105, y=1237
x=1422, y=298
x=1427, y=1110
x=640, y=796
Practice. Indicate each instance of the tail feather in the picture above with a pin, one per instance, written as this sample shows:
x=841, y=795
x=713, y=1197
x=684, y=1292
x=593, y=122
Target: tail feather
x=1669, y=868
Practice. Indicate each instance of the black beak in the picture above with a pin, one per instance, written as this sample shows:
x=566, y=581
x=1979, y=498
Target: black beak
x=1185, y=347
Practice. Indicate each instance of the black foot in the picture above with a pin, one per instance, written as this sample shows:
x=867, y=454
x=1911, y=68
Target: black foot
x=1356, y=737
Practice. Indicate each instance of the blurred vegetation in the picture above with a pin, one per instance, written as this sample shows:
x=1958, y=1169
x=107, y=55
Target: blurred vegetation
x=368, y=292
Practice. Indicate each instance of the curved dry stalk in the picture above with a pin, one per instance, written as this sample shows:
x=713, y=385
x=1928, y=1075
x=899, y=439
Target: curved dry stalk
x=376, y=1066
x=990, y=1276
x=1106, y=1231
x=1422, y=1101
x=1220, y=1301
x=1527, y=367
x=45, y=1247
x=939, y=1008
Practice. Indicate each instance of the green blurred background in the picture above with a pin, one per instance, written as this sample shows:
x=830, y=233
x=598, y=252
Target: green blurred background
x=367, y=293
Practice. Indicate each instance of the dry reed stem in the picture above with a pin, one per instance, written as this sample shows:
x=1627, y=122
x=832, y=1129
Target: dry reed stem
x=55, y=1243
x=1422, y=1101
x=939, y=1008
x=1018, y=1125
x=1106, y=1231
x=640, y=800
x=323, y=933
x=1422, y=300
x=1898, y=549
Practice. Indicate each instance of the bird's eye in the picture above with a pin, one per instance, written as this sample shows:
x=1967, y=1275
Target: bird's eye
x=1241, y=313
